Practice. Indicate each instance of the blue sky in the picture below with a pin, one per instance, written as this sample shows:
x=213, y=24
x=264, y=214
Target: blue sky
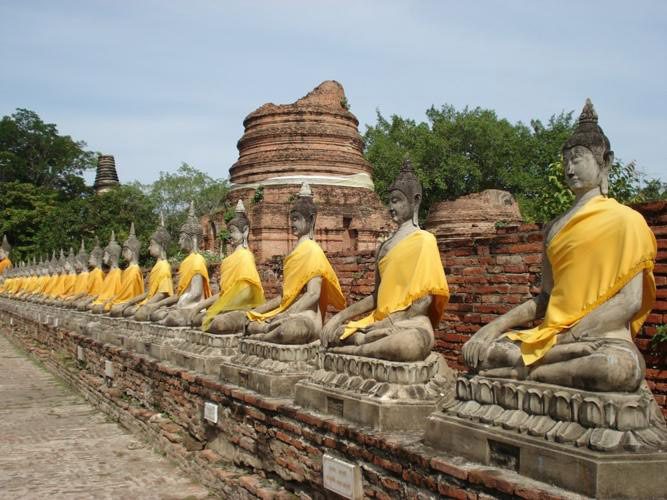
x=156, y=83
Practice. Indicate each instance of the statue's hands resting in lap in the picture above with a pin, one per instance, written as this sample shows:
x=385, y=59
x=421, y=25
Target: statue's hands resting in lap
x=330, y=332
x=475, y=349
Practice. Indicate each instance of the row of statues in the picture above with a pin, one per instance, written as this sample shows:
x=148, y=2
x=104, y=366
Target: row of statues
x=597, y=286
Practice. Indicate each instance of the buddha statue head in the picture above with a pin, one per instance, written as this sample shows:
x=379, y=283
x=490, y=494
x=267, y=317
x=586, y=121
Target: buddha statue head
x=239, y=226
x=159, y=241
x=61, y=261
x=81, y=258
x=587, y=154
x=96, y=255
x=191, y=231
x=70, y=262
x=5, y=248
x=131, y=246
x=303, y=213
x=112, y=251
x=405, y=196
x=53, y=263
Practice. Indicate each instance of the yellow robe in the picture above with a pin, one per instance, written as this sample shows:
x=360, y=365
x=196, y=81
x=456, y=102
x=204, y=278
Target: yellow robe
x=81, y=283
x=192, y=265
x=306, y=262
x=67, y=285
x=409, y=271
x=598, y=251
x=50, y=282
x=110, y=286
x=159, y=280
x=132, y=284
x=95, y=282
x=5, y=264
x=58, y=286
x=240, y=285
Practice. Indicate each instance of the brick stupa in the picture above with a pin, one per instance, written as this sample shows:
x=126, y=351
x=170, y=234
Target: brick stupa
x=314, y=140
x=106, y=177
x=473, y=215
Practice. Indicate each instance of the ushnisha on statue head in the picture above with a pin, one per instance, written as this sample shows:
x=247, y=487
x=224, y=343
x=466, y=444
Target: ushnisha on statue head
x=303, y=213
x=5, y=248
x=587, y=154
x=239, y=226
x=191, y=231
x=159, y=240
x=405, y=195
x=81, y=260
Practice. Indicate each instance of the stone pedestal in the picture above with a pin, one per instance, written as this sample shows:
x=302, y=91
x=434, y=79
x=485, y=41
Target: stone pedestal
x=270, y=369
x=607, y=445
x=203, y=352
x=384, y=395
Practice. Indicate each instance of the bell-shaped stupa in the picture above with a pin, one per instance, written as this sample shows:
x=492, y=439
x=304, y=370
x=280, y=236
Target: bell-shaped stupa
x=106, y=177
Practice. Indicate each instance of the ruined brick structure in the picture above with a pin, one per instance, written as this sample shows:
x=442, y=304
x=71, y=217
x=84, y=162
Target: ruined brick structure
x=315, y=140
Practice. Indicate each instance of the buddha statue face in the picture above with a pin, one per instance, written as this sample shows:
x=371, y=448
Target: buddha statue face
x=299, y=224
x=68, y=268
x=236, y=236
x=185, y=242
x=128, y=254
x=106, y=258
x=3, y=254
x=581, y=169
x=155, y=249
x=401, y=209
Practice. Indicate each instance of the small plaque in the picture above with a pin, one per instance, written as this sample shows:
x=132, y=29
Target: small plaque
x=243, y=379
x=211, y=412
x=108, y=369
x=11, y=321
x=55, y=322
x=342, y=477
x=335, y=406
x=79, y=353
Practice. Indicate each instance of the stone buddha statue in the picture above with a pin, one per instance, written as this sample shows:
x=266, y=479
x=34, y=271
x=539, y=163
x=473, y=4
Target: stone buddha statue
x=597, y=287
x=240, y=285
x=310, y=285
x=67, y=279
x=95, y=278
x=55, y=287
x=5, y=248
x=193, y=281
x=80, y=263
x=160, y=285
x=132, y=281
x=410, y=289
x=112, y=281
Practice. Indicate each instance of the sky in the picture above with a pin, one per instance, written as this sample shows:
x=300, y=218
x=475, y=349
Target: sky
x=157, y=83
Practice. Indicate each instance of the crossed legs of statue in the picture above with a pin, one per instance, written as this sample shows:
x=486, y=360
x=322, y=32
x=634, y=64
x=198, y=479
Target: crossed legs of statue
x=405, y=341
x=599, y=364
x=292, y=330
x=228, y=323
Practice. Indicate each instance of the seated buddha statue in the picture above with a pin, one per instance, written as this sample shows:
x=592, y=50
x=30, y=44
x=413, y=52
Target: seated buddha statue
x=5, y=262
x=193, y=281
x=131, y=280
x=240, y=286
x=66, y=281
x=55, y=287
x=597, y=287
x=410, y=289
x=160, y=285
x=95, y=278
x=113, y=279
x=310, y=285
x=80, y=263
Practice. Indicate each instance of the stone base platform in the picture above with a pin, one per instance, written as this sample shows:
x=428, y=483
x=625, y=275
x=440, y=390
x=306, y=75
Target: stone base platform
x=270, y=369
x=203, y=352
x=590, y=473
x=384, y=395
x=601, y=444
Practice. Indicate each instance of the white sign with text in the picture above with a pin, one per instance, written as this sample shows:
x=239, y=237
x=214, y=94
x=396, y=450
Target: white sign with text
x=342, y=477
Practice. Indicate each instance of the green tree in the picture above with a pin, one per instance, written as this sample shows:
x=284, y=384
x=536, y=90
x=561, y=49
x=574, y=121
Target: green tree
x=32, y=151
x=172, y=192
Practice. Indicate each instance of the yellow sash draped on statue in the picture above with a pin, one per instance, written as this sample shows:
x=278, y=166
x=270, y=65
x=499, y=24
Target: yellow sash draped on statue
x=159, y=280
x=598, y=251
x=192, y=265
x=409, y=271
x=306, y=262
x=67, y=285
x=81, y=283
x=131, y=285
x=5, y=264
x=50, y=283
x=240, y=286
x=95, y=282
x=40, y=284
x=58, y=286
x=110, y=286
